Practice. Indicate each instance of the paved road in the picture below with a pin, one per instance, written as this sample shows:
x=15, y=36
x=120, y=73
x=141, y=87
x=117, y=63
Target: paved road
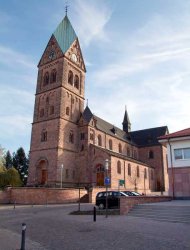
x=51, y=228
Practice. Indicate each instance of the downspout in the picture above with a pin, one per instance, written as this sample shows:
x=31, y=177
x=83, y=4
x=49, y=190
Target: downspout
x=124, y=175
x=172, y=170
x=163, y=179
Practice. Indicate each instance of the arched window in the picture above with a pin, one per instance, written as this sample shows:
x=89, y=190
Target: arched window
x=51, y=111
x=41, y=112
x=44, y=135
x=120, y=148
x=119, y=167
x=73, y=175
x=67, y=173
x=70, y=77
x=152, y=174
x=128, y=151
x=138, y=172
x=71, y=137
x=129, y=169
x=46, y=78
x=53, y=76
x=151, y=154
x=82, y=148
x=76, y=82
x=135, y=154
x=67, y=110
x=110, y=144
x=99, y=140
x=145, y=173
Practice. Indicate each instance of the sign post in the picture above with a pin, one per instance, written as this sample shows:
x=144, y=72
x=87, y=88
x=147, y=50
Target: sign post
x=121, y=182
x=106, y=183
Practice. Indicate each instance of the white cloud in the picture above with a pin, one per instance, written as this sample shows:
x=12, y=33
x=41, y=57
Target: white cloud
x=91, y=21
x=12, y=58
x=150, y=74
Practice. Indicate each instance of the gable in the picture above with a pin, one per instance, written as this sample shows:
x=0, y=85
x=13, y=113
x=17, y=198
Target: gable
x=51, y=52
x=75, y=55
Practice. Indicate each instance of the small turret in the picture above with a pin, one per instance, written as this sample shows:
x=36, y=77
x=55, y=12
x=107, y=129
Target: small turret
x=126, y=122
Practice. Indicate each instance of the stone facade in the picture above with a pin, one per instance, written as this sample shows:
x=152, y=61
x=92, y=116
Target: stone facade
x=63, y=132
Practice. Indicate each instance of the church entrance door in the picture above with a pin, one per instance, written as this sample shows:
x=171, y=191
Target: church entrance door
x=100, y=175
x=42, y=173
x=44, y=176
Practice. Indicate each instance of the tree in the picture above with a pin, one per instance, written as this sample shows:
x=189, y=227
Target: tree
x=21, y=162
x=134, y=179
x=2, y=154
x=8, y=160
x=9, y=177
x=14, y=177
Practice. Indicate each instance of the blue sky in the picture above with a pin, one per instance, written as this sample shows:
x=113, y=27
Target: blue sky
x=137, y=53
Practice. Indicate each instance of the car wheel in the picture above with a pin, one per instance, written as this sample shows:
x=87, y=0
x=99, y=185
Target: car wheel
x=101, y=206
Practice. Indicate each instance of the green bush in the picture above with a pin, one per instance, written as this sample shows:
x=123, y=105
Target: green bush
x=9, y=177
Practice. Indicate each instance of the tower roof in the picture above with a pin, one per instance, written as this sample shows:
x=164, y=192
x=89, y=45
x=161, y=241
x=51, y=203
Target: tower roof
x=65, y=34
x=87, y=114
x=126, y=118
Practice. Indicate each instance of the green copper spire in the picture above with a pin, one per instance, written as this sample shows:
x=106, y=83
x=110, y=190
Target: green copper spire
x=65, y=34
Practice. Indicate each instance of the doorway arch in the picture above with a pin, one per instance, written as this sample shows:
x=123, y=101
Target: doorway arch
x=42, y=172
x=100, y=171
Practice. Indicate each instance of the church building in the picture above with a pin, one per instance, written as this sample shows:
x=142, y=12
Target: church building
x=69, y=144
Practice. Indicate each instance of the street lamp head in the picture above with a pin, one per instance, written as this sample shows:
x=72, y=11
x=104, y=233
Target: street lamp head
x=62, y=165
x=106, y=164
x=23, y=226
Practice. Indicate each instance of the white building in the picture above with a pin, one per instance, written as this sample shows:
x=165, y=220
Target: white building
x=178, y=154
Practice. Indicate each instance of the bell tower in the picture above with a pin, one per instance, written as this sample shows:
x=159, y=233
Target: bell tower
x=59, y=102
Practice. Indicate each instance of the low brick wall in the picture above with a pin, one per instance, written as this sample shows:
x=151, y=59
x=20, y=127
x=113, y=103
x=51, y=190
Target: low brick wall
x=5, y=196
x=127, y=203
x=41, y=195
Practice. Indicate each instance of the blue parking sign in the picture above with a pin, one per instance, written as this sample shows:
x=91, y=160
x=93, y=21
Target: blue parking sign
x=107, y=180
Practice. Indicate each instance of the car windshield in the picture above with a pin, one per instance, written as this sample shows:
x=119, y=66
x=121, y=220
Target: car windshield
x=123, y=194
x=129, y=193
x=136, y=193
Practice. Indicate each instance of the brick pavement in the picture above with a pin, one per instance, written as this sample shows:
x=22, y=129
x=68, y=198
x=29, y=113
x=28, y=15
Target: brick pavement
x=51, y=228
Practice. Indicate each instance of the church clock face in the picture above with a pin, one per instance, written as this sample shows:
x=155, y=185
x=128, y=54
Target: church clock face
x=51, y=54
x=74, y=57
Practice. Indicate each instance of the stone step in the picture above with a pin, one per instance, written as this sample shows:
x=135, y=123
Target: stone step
x=162, y=207
x=160, y=216
x=162, y=213
x=166, y=213
x=177, y=220
x=144, y=208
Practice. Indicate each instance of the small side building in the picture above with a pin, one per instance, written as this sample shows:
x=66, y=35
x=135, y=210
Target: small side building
x=178, y=151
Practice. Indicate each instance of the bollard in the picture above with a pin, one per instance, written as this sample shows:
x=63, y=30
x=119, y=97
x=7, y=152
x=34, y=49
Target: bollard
x=23, y=236
x=94, y=213
x=14, y=204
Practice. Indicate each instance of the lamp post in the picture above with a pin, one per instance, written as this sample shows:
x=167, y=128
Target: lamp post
x=145, y=181
x=106, y=182
x=61, y=175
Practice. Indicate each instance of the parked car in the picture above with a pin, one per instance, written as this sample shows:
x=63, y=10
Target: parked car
x=136, y=193
x=112, y=196
x=131, y=193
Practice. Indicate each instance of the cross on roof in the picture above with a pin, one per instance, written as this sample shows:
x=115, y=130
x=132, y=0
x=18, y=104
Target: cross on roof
x=66, y=8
